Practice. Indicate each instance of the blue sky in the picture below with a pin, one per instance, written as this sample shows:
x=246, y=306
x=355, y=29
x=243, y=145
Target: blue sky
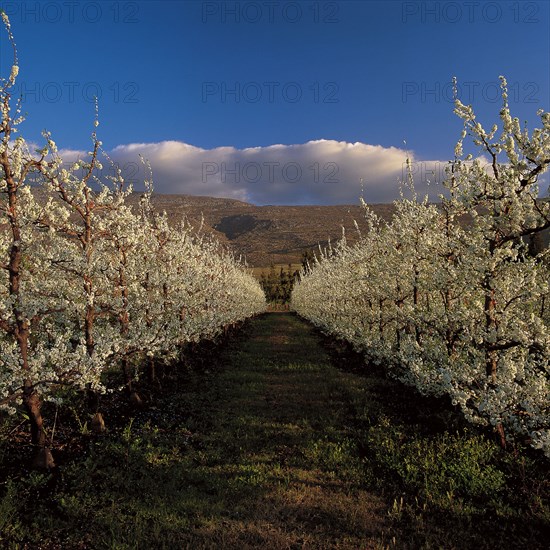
x=205, y=89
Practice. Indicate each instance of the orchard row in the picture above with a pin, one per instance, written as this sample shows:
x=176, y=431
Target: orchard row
x=454, y=298
x=90, y=281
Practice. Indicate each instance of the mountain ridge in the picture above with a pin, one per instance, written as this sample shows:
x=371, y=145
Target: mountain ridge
x=268, y=234
x=275, y=234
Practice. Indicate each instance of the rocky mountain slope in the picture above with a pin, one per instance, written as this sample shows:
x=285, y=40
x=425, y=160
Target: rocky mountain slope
x=268, y=234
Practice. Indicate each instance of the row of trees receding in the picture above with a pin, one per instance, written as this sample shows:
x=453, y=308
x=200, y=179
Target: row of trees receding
x=89, y=283
x=455, y=308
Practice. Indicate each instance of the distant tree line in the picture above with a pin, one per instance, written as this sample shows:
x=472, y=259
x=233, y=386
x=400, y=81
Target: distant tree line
x=278, y=284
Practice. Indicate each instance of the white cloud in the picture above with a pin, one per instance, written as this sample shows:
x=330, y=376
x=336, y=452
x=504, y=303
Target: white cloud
x=316, y=172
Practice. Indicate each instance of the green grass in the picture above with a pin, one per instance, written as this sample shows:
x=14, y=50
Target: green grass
x=279, y=443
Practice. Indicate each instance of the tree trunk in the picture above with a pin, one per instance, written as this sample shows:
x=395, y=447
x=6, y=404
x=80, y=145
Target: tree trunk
x=416, y=299
x=98, y=424
x=20, y=327
x=490, y=324
x=32, y=403
x=449, y=334
x=127, y=374
x=43, y=459
x=152, y=371
x=501, y=435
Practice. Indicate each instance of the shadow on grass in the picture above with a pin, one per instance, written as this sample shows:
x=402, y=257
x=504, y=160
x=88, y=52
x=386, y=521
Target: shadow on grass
x=275, y=445
x=449, y=484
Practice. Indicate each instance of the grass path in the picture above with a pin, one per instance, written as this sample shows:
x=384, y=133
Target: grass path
x=287, y=471
x=252, y=452
x=271, y=446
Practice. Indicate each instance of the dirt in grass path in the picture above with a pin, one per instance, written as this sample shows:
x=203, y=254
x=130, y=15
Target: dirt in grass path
x=259, y=447
x=277, y=459
x=254, y=450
